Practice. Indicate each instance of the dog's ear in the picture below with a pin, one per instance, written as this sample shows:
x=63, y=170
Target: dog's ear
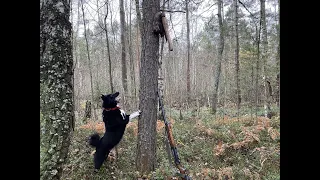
x=116, y=94
x=102, y=96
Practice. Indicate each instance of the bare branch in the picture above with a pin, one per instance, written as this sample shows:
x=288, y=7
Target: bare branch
x=172, y=11
x=247, y=9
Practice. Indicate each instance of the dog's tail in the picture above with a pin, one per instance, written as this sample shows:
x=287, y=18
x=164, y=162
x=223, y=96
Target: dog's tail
x=94, y=140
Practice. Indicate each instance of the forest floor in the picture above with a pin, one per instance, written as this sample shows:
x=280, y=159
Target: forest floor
x=209, y=147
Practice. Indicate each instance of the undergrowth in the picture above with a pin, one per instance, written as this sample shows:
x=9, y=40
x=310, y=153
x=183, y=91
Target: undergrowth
x=210, y=147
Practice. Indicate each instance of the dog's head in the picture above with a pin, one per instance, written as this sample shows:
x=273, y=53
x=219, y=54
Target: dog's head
x=109, y=100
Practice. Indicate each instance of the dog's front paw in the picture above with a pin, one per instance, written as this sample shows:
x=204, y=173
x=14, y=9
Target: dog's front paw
x=135, y=114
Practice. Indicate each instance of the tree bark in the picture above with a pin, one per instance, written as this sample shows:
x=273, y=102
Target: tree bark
x=146, y=146
x=89, y=61
x=132, y=65
x=123, y=52
x=219, y=60
x=56, y=94
x=140, y=24
x=108, y=49
x=257, y=68
x=237, y=64
x=188, y=52
x=264, y=56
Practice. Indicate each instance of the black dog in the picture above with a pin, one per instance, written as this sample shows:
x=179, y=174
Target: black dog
x=115, y=120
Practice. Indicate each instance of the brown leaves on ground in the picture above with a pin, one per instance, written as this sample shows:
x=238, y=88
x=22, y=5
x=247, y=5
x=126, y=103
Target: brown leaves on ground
x=265, y=153
x=93, y=125
x=217, y=174
x=274, y=134
x=251, y=135
x=251, y=175
x=220, y=148
x=203, y=129
x=132, y=126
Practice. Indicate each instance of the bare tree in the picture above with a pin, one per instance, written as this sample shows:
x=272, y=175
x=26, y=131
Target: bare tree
x=108, y=49
x=264, y=56
x=219, y=59
x=139, y=17
x=132, y=66
x=89, y=61
x=188, y=51
x=123, y=52
x=146, y=146
x=56, y=87
x=238, y=91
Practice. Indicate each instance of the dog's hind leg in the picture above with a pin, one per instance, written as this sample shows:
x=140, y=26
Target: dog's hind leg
x=99, y=157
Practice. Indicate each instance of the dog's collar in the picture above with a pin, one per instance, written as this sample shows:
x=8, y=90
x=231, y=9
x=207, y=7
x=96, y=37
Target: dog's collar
x=111, y=109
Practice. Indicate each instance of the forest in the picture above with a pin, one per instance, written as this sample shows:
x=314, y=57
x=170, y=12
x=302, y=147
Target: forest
x=204, y=73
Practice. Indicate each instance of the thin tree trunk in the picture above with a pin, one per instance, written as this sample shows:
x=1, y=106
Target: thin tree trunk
x=89, y=61
x=278, y=37
x=132, y=65
x=139, y=38
x=123, y=53
x=56, y=87
x=238, y=92
x=76, y=64
x=108, y=49
x=188, y=52
x=257, y=68
x=219, y=59
x=146, y=146
x=252, y=90
x=264, y=43
x=278, y=59
x=139, y=17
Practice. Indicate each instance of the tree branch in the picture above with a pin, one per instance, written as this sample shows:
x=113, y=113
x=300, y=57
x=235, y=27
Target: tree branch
x=172, y=11
x=247, y=9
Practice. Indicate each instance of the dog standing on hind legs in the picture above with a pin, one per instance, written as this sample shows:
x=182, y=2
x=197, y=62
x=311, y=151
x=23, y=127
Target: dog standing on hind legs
x=115, y=121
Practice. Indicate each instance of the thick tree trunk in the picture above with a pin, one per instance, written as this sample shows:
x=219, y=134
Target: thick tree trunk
x=123, y=52
x=219, y=60
x=238, y=91
x=146, y=146
x=56, y=72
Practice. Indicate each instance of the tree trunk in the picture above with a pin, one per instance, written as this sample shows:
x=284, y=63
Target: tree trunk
x=132, y=65
x=264, y=56
x=257, y=68
x=108, y=49
x=123, y=53
x=188, y=52
x=89, y=61
x=146, y=146
x=219, y=60
x=139, y=17
x=56, y=72
x=278, y=59
x=238, y=92
x=278, y=38
x=87, y=112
